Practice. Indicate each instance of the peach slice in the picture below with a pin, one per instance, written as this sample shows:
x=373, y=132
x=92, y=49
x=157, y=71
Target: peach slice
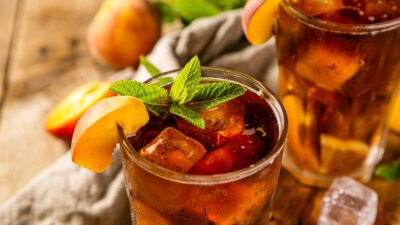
x=258, y=19
x=95, y=135
x=300, y=122
x=341, y=156
x=394, y=119
x=63, y=118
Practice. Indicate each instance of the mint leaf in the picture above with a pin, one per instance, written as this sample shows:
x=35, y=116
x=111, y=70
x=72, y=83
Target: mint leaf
x=389, y=172
x=149, y=66
x=148, y=94
x=159, y=111
x=166, y=11
x=188, y=77
x=162, y=81
x=213, y=94
x=190, y=10
x=188, y=95
x=154, y=71
x=187, y=114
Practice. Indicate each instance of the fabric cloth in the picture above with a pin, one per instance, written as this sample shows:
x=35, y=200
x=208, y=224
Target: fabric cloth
x=67, y=194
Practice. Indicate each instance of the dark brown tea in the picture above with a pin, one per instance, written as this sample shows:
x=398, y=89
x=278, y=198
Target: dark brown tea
x=238, y=133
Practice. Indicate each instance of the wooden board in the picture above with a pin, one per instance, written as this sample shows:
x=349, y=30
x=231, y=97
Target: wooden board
x=8, y=17
x=48, y=59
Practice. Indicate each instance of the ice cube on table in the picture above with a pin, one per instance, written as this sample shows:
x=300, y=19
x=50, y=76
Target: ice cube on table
x=348, y=202
x=173, y=150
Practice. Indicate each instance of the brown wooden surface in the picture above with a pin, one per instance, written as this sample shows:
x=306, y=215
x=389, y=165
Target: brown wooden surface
x=43, y=55
x=47, y=58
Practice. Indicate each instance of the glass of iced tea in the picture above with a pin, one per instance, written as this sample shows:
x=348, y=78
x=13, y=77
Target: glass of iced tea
x=169, y=179
x=339, y=64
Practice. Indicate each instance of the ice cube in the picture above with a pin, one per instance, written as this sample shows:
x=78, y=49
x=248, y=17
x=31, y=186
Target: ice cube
x=153, y=128
x=316, y=7
x=239, y=152
x=207, y=137
x=223, y=121
x=227, y=118
x=173, y=150
x=347, y=202
x=337, y=62
x=217, y=161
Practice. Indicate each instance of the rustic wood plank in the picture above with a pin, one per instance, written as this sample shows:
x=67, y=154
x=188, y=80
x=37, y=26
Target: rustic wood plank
x=8, y=12
x=49, y=59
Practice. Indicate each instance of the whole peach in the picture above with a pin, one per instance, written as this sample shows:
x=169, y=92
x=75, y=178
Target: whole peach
x=122, y=30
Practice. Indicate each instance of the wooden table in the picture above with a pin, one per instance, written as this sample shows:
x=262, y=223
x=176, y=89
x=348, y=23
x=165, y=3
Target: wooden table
x=43, y=56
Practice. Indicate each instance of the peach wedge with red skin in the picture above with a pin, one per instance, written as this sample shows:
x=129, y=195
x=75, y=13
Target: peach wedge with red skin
x=63, y=118
x=258, y=19
x=122, y=30
x=96, y=134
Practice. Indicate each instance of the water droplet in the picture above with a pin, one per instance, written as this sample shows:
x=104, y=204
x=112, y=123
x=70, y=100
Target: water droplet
x=371, y=18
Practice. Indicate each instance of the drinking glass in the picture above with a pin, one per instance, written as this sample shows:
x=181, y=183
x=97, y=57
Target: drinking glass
x=336, y=82
x=159, y=196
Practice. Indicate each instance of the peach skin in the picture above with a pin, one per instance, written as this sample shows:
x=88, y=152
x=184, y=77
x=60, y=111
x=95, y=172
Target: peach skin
x=63, y=118
x=95, y=135
x=122, y=30
x=258, y=20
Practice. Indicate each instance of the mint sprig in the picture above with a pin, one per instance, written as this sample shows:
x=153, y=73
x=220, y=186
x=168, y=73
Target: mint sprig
x=389, y=172
x=187, y=97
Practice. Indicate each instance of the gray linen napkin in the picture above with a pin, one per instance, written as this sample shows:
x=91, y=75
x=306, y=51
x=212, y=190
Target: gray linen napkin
x=67, y=194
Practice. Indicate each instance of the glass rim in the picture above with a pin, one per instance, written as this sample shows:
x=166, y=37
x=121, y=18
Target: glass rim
x=178, y=177
x=360, y=29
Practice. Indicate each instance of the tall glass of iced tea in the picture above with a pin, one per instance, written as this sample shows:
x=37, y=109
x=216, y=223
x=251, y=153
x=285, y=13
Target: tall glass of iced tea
x=170, y=182
x=339, y=66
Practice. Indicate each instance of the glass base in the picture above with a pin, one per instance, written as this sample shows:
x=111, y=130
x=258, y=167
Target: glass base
x=310, y=178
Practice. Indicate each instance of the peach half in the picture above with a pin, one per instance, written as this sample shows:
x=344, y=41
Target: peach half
x=122, y=30
x=63, y=118
x=96, y=134
x=258, y=19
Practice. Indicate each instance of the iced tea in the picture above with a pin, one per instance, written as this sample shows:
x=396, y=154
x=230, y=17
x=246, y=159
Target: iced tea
x=339, y=65
x=224, y=174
